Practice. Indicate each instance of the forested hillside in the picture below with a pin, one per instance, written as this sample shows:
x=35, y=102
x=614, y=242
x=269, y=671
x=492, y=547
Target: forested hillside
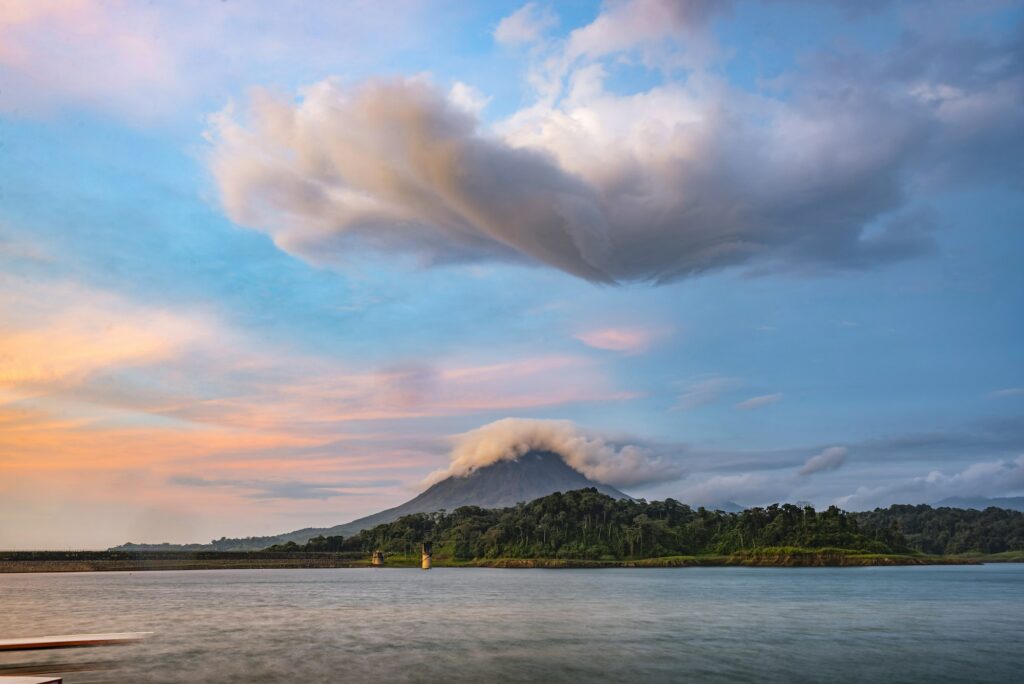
x=950, y=530
x=587, y=524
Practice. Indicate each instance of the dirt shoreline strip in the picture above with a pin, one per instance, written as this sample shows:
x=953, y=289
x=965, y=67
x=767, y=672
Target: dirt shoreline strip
x=35, y=566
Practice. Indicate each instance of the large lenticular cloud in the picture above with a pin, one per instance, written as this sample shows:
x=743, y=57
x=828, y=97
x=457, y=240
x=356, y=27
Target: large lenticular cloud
x=599, y=458
x=815, y=171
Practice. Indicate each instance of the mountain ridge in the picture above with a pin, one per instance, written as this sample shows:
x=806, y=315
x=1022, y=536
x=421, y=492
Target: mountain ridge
x=1013, y=503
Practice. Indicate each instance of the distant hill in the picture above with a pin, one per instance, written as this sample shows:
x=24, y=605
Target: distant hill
x=499, y=485
x=1013, y=503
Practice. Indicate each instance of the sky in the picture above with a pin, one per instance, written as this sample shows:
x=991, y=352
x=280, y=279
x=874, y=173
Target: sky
x=271, y=265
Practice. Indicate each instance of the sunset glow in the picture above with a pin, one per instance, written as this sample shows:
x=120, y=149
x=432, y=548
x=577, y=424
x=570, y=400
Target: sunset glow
x=256, y=281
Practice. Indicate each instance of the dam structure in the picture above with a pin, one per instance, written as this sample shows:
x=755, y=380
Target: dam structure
x=427, y=556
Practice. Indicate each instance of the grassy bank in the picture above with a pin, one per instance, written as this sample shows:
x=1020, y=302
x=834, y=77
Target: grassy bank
x=769, y=557
x=115, y=561
x=1005, y=557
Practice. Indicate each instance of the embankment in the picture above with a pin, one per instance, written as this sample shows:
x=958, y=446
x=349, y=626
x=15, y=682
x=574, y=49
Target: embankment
x=120, y=561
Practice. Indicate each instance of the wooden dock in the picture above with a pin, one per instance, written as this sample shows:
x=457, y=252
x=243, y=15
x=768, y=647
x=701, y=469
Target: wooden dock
x=69, y=641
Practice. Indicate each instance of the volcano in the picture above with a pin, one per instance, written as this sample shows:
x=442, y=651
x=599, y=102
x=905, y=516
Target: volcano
x=499, y=485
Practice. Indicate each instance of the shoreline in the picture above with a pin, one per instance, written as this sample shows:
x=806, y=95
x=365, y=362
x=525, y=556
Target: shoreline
x=57, y=562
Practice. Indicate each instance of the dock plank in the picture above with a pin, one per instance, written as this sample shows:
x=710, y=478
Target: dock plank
x=69, y=641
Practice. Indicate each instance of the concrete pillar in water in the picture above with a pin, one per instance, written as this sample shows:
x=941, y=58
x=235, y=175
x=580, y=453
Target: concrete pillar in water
x=427, y=554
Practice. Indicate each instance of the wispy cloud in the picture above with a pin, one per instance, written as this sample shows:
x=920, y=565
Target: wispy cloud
x=45, y=346
x=984, y=478
x=743, y=489
x=282, y=489
x=526, y=25
x=704, y=392
x=1007, y=392
x=92, y=348
x=759, y=401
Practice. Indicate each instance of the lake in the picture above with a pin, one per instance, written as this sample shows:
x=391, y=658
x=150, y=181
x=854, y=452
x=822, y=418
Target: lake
x=894, y=624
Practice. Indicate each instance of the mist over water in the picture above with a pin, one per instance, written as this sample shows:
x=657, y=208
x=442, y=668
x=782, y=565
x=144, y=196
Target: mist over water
x=910, y=624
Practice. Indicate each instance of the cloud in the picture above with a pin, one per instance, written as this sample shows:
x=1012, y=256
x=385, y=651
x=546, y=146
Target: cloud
x=1008, y=392
x=468, y=97
x=625, y=25
x=984, y=479
x=51, y=51
x=704, y=392
x=768, y=479
x=742, y=488
x=281, y=489
x=106, y=353
x=526, y=25
x=692, y=175
x=323, y=395
x=155, y=57
x=829, y=459
x=596, y=456
x=1004, y=436
x=59, y=344
x=760, y=401
x=625, y=340
x=662, y=29
x=985, y=440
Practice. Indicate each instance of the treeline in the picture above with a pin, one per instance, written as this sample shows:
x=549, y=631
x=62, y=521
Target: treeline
x=318, y=544
x=217, y=545
x=950, y=530
x=585, y=524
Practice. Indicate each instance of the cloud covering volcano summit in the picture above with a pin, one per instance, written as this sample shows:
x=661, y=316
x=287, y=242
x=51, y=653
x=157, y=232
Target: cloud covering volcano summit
x=598, y=457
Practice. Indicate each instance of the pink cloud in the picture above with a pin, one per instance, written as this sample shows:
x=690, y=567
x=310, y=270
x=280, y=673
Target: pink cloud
x=141, y=60
x=53, y=50
x=624, y=340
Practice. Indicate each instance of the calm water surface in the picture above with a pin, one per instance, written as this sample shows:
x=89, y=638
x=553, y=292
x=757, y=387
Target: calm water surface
x=923, y=624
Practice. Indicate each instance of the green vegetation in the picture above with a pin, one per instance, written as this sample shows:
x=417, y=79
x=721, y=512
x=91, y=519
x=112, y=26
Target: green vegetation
x=951, y=531
x=585, y=525
x=319, y=544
